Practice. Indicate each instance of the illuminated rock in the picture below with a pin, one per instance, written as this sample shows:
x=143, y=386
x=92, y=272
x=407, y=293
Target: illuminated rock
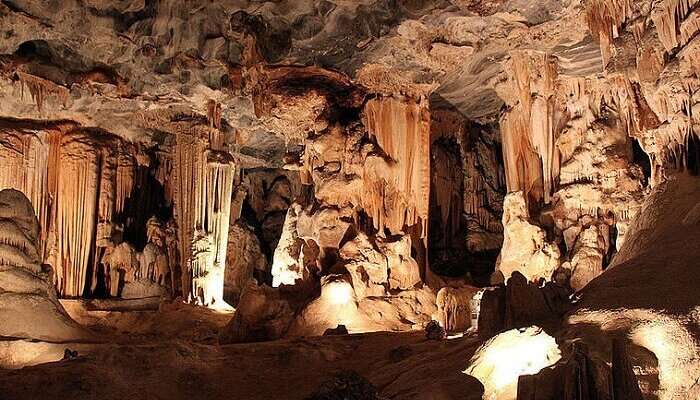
x=502, y=360
x=525, y=246
x=396, y=195
x=579, y=374
x=368, y=268
x=335, y=306
x=288, y=265
x=203, y=177
x=530, y=129
x=658, y=240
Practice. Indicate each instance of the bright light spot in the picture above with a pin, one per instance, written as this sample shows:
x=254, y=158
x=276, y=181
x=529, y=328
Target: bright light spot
x=339, y=293
x=501, y=360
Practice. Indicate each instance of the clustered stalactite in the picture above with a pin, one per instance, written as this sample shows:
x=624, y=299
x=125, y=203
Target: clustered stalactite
x=63, y=183
x=25, y=158
x=530, y=128
x=80, y=182
x=76, y=210
x=41, y=89
x=567, y=144
x=568, y=140
x=396, y=192
x=661, y=38
x=203, y=185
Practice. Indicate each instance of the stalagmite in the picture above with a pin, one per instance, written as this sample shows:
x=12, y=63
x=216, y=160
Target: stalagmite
x=29, y=307
x=288, y=264
x=525, y=246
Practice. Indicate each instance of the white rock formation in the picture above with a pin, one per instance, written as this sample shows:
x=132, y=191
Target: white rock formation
x=288, y=265
x=204, y=177
x=525, y=246
x=499, y=362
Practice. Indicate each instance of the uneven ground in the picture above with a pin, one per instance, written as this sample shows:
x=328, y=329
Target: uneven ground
x=173, y=355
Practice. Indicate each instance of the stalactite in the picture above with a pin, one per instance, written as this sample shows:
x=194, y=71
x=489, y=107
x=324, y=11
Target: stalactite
x=124, y=181
x=397, y=193
x=669, y=18
x=214, y=114
x=163, y=173
x=25, y=160
x=604, y=18
x=522, y=164
x=530, y=129
x=12, y=165
x=71, y=179
x=107, y=194
x=188, y=166
x=208, y=279
x=77, y=203
x=41, y=89
x=202, y=194
x=447, y=189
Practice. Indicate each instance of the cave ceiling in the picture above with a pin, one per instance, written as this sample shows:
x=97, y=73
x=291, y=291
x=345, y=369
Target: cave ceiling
x=133, y=67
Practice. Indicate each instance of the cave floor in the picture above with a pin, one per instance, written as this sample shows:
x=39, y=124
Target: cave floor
x=173, y=353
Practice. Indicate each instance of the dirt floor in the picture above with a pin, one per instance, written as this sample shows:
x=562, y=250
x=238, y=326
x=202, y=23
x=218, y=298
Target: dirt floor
x=173, y=354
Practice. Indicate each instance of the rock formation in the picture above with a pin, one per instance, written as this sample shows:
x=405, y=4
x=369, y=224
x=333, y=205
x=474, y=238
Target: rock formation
x=527, y=351
x=455, y=308
x=525, y=246
x=29, y=307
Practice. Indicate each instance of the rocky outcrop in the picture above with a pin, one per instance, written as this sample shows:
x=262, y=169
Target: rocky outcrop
x=582, y=375
x=617, y=303
x=527, y=351
x=244, y=261
x=263, y=313
x=520, y=304
x=29, y=307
